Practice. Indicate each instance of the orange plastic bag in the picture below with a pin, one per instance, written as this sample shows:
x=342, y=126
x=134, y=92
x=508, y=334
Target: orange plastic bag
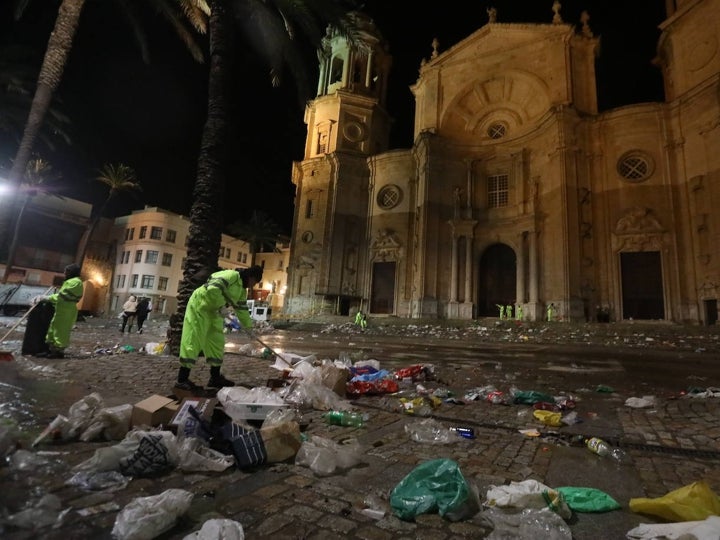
x=694, y=502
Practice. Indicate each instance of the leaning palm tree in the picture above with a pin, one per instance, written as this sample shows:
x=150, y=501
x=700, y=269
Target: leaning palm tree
x=261, y=233
x=273, y=29
x=56, y=56
x=118, y=179
x=38, y=178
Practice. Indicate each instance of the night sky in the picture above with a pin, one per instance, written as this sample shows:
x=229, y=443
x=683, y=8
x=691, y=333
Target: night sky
x=151, y=116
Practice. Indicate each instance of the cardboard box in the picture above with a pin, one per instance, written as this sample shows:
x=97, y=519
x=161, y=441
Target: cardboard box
x=204, y=406
x=153, y=411
x=251, y=411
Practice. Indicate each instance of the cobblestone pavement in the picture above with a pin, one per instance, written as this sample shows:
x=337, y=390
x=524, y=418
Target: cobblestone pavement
x=670, y=445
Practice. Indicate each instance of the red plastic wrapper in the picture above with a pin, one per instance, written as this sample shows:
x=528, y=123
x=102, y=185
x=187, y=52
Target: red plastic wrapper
x=383, y=386
x=413, y=372
x=545, y=406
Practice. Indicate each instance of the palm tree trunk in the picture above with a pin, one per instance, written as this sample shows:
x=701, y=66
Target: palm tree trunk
x=206, y=214
x=53, y=66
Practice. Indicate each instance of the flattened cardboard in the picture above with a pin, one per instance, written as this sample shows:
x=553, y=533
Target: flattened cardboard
x=153, y=411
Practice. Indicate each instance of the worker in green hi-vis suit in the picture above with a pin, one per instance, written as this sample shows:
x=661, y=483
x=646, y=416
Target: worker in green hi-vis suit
x=65, y=303
x=203, y=322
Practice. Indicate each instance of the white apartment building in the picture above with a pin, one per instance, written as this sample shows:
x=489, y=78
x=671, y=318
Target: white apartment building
x=151, y=250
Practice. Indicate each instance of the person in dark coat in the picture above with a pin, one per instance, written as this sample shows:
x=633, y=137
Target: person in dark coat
x=141, y=313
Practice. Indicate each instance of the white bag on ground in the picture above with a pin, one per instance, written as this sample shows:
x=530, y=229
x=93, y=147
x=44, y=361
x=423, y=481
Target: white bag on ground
x=145, y=518
x=528, y=494
x=218, y=529
x=708, y=529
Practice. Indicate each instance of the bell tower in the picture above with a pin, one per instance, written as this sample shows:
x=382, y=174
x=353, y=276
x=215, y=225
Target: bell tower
x=346, y=123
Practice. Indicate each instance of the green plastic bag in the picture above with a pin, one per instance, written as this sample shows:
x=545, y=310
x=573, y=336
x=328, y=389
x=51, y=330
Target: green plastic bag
x=528, y=397
x=585, y=499
x=433, y=486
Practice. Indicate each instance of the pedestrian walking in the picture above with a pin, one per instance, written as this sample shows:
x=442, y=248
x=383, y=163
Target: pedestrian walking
x=141, y=313
x=129, y=313
x=204, y=318
x=65, y=303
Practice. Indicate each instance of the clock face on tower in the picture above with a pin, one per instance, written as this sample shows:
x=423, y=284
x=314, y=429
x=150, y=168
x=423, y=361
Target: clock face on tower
x=355, y=131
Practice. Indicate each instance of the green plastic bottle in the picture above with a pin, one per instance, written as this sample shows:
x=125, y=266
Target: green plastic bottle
x=344, y=418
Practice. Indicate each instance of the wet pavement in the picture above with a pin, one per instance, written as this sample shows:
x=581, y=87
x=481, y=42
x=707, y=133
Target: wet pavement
x=669, y=445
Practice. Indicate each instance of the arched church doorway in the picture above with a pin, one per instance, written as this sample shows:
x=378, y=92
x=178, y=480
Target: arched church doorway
x=496, y=280
x=642, y=286
x=382, y=296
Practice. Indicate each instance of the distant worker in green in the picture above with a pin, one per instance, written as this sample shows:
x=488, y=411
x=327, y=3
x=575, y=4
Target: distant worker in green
x=501, y=307
x=519, y=313
x=551, y=311
x=66, y=310
x=508, y=311
x=359, y=317
x=203, y=323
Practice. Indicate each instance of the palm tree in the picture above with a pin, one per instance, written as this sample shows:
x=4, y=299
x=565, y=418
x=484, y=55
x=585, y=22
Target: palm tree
x=271, y=28
x=56, y=56
x=119, y=179
x=261, y=233
x=38, y=175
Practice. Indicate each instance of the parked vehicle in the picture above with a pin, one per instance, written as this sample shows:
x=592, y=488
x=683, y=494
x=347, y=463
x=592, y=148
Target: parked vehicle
x=17, y=297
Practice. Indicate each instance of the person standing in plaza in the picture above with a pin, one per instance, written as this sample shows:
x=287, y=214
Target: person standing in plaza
x=204, y=318
x=129, y=313
x=65, y=303
x=141, y=313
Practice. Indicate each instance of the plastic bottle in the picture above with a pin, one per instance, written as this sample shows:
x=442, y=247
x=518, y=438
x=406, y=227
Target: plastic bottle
x=601, y=448
x=344, y=418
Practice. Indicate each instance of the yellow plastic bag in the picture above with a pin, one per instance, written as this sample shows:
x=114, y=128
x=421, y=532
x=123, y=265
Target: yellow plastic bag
x=549, y=418
x=694, y=502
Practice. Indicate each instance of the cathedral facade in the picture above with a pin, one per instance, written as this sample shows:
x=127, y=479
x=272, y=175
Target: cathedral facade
x=516, y=191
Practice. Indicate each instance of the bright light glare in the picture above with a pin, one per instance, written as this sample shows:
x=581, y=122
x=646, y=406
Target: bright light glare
x=4, y=187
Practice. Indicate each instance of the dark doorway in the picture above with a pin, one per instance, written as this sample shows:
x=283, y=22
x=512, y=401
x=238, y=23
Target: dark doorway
x=711, y=312
x=344, y=305
x=642, y=286
x=496, y=284
x=382, y=299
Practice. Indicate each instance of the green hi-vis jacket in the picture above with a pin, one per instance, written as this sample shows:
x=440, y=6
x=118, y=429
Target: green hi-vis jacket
x=203, y=323
x=65, y=302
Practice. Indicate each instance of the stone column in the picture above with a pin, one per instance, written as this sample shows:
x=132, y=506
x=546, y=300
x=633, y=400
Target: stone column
x=520, y=276
x=533, y=269
x=468, y=269
x=454, y=270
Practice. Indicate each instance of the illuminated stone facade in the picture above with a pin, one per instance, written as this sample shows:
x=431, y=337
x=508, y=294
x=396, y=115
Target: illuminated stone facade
x=516, y=189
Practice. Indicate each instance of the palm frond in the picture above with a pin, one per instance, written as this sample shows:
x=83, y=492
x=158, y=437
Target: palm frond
x=196, y=12
x=173, y=16
x=130, y=13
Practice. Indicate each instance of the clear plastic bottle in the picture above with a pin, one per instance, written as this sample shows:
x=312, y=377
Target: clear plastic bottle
x=344, y=418
x=602, y=448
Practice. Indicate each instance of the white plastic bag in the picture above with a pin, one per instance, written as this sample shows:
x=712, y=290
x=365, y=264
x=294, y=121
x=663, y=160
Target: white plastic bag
x=218, y=529
x=145, y=518
x=110, y=423
x=324, y=456
x=528, y=494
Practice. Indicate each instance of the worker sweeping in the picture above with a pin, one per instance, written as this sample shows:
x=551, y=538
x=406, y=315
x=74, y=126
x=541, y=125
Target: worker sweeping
x=65, y=303
x=204, y=318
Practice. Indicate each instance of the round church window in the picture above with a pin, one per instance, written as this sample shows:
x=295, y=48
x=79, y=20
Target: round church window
x=635, y=166
x=497, y=131
x=389, y=197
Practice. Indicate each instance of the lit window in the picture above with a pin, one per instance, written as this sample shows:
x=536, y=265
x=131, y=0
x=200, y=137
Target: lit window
x=497, y=191
x=151, y=256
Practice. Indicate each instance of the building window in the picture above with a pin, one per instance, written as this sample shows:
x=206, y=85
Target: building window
x=147, y=282
x=134, y=280
x=498, y=191
x=120, y=281
x=151, y=256
x=162, y=284
x=138, y=255
x=244, y=258
x=280, y=264
x=239, y=256
x=228, y=253
x=496, y=131
x=167, y=259
x=309, y=208
x=635, y=166
x=389, y=197
x=129, y=233
x=322, y=142
x=143, y=232
x=156, y=233
x=170, y=236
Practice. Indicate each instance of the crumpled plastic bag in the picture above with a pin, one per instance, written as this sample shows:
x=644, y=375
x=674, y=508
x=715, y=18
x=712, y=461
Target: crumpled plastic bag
x=109, y=423
x=196, y=456
x=640, y=403
x=80, y=415
x=586, y=499
x=324, y=456
x=709, y=529
x=528, y=494
x=549, y=418
x=434, y=486
x=111, y=458
x=538, y=524
x=693, y=502
x=145, y=518
x=38, y=514
x=218, y=529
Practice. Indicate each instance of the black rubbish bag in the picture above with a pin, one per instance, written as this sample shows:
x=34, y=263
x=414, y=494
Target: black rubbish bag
x=247, y=446
x=38, y=322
